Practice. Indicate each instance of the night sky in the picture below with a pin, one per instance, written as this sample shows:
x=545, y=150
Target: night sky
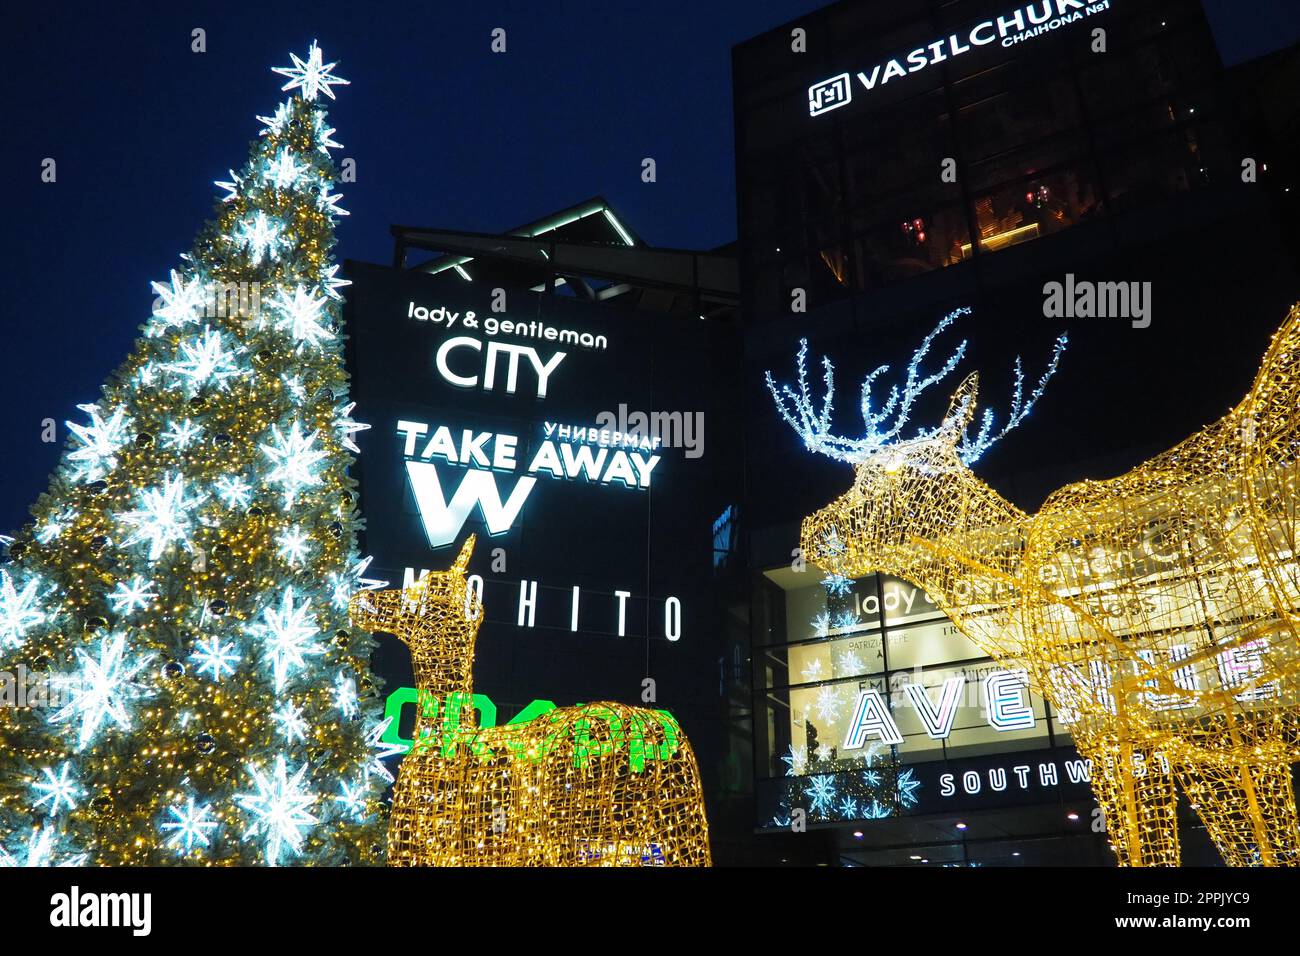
x=444, y=133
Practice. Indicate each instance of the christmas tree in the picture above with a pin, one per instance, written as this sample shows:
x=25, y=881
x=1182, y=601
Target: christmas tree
x=185, y=581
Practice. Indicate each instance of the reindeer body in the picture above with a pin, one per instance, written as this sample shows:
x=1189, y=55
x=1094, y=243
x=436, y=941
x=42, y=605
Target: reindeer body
x=1156, y=611
x=595, y=785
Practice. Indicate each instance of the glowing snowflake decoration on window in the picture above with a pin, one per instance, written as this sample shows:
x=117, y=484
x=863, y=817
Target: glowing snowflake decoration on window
x=100, y=441
x=293, y=543
x=288, y=634
x=312, y=76
x=877, y=811
x=826, y=705
x=133, y=595
x=289, y=717
x=349, y=582
x=796, y=761
x=163, y=517
x=103, y=689
x=189, y=826
x=294, y=458
x=260, y=236
x=821, y=624
x=58, y=791
x=234, y=491
x=300, y=314
x=206, y=358
x=837, y=585
x=280, y=810
x=382, y=749
x=214, y=656
x=843, y=620
x=851, y=664
x=907, y=787
x=183, y=302
x=848, y=808
x=19, y=611
x=821, y=791
x=814, y=670
x=43, y=848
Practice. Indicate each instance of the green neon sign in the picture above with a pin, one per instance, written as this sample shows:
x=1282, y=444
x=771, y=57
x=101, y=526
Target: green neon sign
x=586, y=744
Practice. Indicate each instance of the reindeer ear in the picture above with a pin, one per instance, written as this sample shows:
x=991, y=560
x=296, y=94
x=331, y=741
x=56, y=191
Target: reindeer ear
x=961, y=409
x=462, y=560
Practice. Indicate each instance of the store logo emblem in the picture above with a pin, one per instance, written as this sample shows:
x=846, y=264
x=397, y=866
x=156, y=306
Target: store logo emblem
x=829, y=94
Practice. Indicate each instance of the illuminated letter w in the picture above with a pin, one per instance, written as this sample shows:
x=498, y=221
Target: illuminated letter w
x=443, y=521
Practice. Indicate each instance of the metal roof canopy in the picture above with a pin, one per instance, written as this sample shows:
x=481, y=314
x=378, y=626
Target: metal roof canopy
x=586, y=241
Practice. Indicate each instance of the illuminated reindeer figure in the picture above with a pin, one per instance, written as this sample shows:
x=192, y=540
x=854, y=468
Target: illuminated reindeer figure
x=595, y=785
x=1156, y=611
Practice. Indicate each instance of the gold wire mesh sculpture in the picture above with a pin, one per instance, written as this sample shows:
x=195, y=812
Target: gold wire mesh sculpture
x=595, y=785
x=1156, y=611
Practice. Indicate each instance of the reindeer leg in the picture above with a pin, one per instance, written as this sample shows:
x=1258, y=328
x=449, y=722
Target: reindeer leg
x=1247, y=807
x=1140, y=810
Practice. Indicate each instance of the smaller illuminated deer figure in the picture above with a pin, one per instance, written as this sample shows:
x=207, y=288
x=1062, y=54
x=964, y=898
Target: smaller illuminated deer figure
x=1156, y=611
x=595, y=785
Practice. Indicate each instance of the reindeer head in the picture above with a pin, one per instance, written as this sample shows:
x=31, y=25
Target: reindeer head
x=906, y=488
x=437, y=617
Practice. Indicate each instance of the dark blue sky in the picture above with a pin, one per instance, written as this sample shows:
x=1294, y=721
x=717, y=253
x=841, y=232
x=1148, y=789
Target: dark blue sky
x=444, y=133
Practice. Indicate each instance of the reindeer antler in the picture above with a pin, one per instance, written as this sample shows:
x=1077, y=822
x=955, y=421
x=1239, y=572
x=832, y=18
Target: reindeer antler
x=814, y=426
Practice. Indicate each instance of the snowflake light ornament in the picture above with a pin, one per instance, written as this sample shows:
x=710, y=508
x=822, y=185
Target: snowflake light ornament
x=312, y=76
x=289, y=717
x=260, y=236
x=348, y=428
x=163, y=517
x=280, y=809
x=19, y=610
x=382, y=750
x=288, y=634
x=300, y=314
x=42, y=848
x=189, y=826
x=100, y=441
x=183, y=301
x=206, y=358
x=58, y=791
x=821, y=791
x=294, y=459
x=349, y=582
x=353, y=797
x=133, y=595
x=103, y=689
x=216, y=657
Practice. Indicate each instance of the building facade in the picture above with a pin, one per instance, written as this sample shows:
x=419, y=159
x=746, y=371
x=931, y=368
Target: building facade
x=896, y=161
